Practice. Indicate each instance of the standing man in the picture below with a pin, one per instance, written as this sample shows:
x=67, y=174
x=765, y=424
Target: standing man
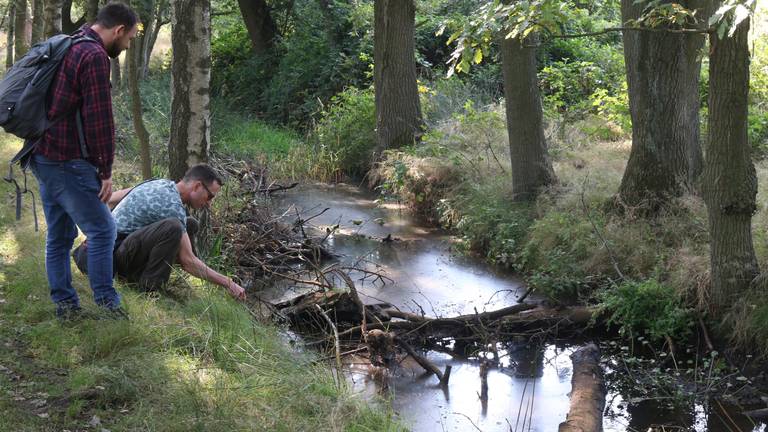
x=154, y=232
x=74, y=186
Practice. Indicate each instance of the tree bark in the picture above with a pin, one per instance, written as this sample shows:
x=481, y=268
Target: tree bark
x=663, y=77
x=258, y=21
x=116, y=74
x=91, y=9
x=134, y=57
x=37, y=21
x=52, y=17
x=21, y=45
x=587, y=392
x=729, y=182
x=67, y=25
x=161, y=19
x=10, y=37
x=398, y=109
x=531, y=166
x=190, y=89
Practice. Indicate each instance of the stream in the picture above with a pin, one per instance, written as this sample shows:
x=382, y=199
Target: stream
x=529, y=392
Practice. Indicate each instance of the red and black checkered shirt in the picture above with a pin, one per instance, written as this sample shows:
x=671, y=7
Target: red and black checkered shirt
x=82, y=82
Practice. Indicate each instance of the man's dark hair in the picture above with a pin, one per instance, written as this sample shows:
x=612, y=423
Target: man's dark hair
x=115, y=14
x=203, y=173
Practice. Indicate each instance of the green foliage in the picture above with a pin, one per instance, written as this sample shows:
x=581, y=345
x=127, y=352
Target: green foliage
x=239, y=136
x=346, y=130
x=647, y=308
x=309, y=64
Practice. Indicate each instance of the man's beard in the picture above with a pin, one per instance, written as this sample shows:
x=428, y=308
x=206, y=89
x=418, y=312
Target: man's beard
x=112, y=50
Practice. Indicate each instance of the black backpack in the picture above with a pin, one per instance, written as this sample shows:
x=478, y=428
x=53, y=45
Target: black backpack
x=23, y=102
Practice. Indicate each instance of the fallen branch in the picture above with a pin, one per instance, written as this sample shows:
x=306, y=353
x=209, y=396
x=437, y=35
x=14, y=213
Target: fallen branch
x=337, y=345
x=425, y=363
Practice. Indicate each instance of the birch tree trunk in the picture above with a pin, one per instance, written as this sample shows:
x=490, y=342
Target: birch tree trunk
x=190, y=85
x=531, y=166
x=398, y=109
x=663, y=77
x=52, y=19
x=729, y=182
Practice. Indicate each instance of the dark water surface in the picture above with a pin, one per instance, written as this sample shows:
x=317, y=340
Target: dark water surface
x=530, y=392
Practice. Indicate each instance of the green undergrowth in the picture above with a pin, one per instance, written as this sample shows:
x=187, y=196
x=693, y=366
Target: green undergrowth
x=648, y=275
x=200, y=363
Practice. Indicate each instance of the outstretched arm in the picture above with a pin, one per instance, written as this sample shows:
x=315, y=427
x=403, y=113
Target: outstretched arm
x=116, y=197
x=194, y=266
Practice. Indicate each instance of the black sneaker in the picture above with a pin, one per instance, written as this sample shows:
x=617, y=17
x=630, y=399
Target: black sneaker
x=68, y=313
x=117, y=313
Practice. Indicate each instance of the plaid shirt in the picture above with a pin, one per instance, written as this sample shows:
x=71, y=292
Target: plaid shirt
x=82, y=81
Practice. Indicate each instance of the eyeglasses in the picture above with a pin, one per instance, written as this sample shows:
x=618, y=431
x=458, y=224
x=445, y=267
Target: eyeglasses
x=211, y=195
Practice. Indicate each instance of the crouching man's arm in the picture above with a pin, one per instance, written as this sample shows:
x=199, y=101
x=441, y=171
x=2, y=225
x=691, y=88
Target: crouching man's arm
x=194, y=266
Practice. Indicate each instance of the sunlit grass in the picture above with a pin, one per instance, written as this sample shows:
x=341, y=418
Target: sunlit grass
x=197, y=363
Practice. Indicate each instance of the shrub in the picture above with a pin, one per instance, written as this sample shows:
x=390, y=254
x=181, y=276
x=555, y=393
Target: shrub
x=648, y=307
x=346, y=130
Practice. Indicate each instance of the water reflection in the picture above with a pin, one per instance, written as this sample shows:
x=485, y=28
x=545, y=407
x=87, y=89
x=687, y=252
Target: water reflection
x=529, y=392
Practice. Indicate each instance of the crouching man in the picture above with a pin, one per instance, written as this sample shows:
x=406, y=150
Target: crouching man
x=153, y=230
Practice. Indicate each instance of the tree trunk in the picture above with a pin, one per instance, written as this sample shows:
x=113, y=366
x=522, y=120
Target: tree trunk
x=52, y=24
x=531, y=167
x=67, y=25
x=21, y=46
x=729, y=182
x=190, y=89
x=10, y=36
x=149, y=46
x=663, y=77
x=258, y=21
x=91, y=9
x=587, y=392
x=133, y=58
x=116, y=74
x=398, y=109
x=37, y=21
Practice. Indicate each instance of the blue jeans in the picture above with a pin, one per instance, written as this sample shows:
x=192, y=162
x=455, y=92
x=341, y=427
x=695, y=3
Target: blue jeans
x=69, y=191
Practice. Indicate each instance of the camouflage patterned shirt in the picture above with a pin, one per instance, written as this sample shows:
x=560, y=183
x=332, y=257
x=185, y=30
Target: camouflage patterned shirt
x=148, y=203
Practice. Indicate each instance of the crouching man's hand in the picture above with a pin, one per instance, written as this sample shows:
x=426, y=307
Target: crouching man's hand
x=236, y=290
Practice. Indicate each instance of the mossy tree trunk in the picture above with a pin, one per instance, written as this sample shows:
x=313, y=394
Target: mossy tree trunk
x=134, y=58
x=116, y=75
x=21, y=44
x=190, y=88
x=398, y=109
x=37, y=21
x=10, y=36
x=531, y=166
x=258, y=20
x=52, y=17
x=729, y=182
x=663, y=77
x=91, y=9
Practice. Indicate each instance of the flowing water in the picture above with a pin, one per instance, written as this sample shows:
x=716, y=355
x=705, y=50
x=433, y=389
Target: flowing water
x=529, y=392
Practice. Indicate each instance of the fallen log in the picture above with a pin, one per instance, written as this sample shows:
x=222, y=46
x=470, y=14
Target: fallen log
x=587, y=392
x=517, y=319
